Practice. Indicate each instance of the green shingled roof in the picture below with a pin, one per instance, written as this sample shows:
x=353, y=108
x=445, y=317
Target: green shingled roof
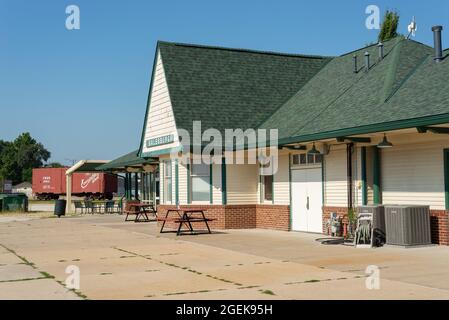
x=306, y=97
x=231, y=88
x=128, y=160
x=407, y=84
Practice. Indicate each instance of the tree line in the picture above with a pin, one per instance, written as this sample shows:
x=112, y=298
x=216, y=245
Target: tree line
x=20, y=156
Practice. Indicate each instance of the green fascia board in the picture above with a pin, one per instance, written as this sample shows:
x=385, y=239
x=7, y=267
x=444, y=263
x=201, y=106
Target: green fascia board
x=290, y=217
x=446, y=178
x=147, y=109
x=160, y=152
x=372, y=128
x=224, y=196
x=211, y=196
x=189, y=187
x=376, y=176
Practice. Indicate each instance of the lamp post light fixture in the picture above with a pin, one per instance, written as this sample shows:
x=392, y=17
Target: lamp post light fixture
x=313, y=150
x=384, y=143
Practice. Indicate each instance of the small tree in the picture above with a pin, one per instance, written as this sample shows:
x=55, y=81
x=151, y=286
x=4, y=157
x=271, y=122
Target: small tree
x=389, y=27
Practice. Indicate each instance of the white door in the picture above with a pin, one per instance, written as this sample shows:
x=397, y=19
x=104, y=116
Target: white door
x=307, y=200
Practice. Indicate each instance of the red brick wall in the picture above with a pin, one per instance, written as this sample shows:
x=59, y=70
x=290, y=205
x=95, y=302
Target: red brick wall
x=341, y=211
x=276, y=217
x=439, y=223
x=250, y=216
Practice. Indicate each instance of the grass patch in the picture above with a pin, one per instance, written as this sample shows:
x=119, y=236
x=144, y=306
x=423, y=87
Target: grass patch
x=269, y=292
x=23, y=279
x=46, y=275
x=249, y=287
x=312, y=281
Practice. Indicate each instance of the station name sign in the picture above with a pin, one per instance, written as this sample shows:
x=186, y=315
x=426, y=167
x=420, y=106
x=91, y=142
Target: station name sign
x=160, y=140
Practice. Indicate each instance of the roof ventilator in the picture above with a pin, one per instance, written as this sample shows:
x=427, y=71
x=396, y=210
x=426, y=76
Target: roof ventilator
x=381, y=50
x=437, y=43
x=367, y=61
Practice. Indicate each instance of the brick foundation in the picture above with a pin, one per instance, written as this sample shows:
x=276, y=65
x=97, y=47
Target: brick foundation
x=439, y=223
x=249, y=216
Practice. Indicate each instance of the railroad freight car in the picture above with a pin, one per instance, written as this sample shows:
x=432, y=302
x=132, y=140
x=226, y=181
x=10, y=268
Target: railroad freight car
x=50, y=183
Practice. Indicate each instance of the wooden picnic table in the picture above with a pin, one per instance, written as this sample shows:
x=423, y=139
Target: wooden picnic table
x=140, y=210
x=185, y=216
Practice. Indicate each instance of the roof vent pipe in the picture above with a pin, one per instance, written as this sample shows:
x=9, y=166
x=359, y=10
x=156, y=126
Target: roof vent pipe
x=437, y=43
x=367, y=61
x=355, y=63
x=381, y=50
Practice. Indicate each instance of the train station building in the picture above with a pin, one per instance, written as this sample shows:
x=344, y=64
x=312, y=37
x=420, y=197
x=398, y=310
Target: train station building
x=368, y=127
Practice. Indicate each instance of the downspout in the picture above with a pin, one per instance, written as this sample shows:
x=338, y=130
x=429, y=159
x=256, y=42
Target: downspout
x=349, y=149
x=376, y=176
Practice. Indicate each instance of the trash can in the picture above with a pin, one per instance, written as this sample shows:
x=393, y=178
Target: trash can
x=15, y=202
x=60, y=207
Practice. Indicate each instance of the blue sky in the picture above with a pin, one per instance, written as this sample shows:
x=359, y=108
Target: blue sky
x=82, y=93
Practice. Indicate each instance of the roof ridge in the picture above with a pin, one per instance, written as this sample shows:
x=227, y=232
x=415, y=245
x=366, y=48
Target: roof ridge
x=274, y=53
x=397, y=38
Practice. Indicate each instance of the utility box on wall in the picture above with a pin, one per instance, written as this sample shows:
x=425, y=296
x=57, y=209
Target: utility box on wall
x=407, y=225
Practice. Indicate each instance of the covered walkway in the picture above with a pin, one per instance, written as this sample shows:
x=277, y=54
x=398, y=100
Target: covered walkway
x=145, y=183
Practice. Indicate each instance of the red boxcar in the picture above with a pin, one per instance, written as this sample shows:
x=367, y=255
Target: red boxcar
x=50, y=183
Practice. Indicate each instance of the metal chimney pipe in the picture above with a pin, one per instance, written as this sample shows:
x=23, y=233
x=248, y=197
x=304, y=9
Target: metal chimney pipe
x=381, y=50
x=367, y=61
x=355, y=63
x=437, y=43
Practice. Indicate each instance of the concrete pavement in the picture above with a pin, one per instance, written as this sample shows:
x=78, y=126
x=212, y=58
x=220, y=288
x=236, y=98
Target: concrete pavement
x=119, y=260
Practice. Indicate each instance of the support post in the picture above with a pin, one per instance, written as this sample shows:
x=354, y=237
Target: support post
x=376, y=176
x=349, y=149
x=364, y=183
x=68, y=190
x=136, y=186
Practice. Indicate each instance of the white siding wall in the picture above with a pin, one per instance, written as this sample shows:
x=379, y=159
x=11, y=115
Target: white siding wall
x=182, y=180
x=281, y=183
x=173, y=181
x=357, y=176
x=335, y=187
x=160, y=120
x=242, y=183
x=161, y=182
x=412, y=172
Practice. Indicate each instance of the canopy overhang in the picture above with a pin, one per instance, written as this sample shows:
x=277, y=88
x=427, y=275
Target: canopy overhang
x=129, y=162
x=80, y=166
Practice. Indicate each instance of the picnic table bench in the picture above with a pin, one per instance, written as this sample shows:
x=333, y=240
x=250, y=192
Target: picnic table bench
x=185, y=216
x=140, y=210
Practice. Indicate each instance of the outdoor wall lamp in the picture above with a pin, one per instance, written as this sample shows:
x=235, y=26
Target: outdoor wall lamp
x=385, y=143
x=313, y=150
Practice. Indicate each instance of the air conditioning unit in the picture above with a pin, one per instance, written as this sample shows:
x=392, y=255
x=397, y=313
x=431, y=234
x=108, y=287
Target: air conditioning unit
x=407, y=225
x=378, y=224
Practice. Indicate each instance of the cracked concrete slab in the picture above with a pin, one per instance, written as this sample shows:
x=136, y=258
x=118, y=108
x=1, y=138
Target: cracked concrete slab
x=119, y=260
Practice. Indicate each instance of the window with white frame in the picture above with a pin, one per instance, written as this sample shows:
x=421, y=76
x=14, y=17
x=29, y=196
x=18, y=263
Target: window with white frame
x=167, y=182
x=305, y=159
x=200, y=182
